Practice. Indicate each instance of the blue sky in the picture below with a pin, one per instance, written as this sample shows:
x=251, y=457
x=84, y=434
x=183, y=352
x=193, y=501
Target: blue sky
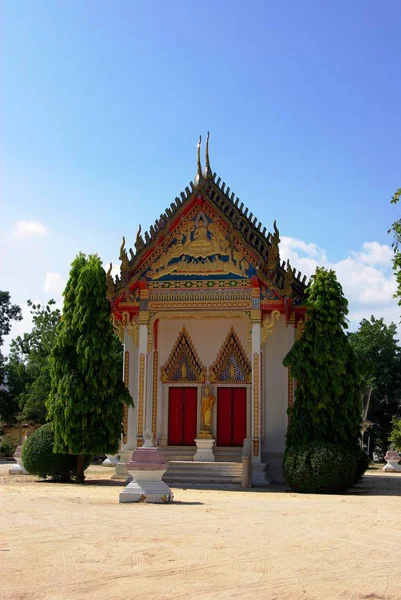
x=103, y=103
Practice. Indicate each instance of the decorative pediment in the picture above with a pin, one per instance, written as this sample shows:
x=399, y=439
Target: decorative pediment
x=232, y=364
x=183, y=365
x=199, y=248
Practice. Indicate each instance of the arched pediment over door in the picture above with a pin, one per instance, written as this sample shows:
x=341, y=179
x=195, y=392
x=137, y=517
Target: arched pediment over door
x=232, y=364
x=183, y=364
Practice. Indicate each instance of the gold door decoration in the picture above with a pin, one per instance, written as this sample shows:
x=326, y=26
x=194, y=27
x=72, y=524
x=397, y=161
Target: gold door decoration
x=154, y=391
x=231, y=364
x=183, y=364
x=256, y=404
x=141, y=395
x=126, y=381
x=201, y=248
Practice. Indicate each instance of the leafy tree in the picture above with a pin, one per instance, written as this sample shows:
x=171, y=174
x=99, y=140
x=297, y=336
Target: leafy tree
x=396, y=230
x=395, y=436
x=87, y=394
x=376, y=346
x=28, y=369
x=327, y=403
x=8, y=313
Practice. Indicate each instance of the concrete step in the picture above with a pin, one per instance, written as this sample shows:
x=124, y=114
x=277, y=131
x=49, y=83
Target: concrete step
x=203, y=472
x=228, y=454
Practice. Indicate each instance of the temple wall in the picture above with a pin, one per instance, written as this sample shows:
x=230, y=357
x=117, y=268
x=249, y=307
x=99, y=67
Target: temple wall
x=275, y=396
x=207, y=335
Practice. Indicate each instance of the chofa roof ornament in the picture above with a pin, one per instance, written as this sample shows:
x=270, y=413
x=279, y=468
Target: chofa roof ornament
x=199, y=177
x=208, y=170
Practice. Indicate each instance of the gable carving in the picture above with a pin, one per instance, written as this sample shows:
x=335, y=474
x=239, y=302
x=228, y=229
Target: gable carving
x=183, y=364
x=200, y=248
x=232, y=364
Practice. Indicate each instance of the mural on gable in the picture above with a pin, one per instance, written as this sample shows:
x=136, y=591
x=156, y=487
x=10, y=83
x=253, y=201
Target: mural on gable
x=200, y=249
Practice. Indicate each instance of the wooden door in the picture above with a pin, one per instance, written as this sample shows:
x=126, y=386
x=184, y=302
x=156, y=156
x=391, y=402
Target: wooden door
x=182, y=410
x=231, y=416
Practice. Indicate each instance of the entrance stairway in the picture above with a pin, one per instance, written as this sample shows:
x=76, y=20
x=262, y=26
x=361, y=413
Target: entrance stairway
x=183, y=470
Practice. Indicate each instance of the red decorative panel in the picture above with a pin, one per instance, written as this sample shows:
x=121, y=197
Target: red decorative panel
x=231, y=416
x=239, y=416
x=224, y=416
x=182, y=412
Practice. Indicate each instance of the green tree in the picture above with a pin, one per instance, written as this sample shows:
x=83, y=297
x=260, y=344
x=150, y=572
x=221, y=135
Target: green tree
x=379, y=353
x=28, y=369
x=327, y=403
x=8, y=313
x=395, y=436
x=396, y=230
x=87, y=393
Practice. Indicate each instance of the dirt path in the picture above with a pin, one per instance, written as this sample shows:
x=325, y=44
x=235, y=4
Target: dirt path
x=69, y=542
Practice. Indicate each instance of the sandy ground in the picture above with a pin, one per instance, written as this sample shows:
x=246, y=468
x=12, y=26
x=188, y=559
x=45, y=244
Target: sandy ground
x=70, y=542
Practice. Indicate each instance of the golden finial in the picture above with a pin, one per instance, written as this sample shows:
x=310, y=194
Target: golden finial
x=110, y=286
x=139, y=243
x=208, y=170
x=124, y=258
x=199, y=175
x=289, y=278
x=274, y=255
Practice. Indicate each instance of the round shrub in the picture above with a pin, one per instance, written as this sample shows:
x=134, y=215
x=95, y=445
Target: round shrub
x=363, y=462
x=320, y=468
x=39, y=459
x=7, y=446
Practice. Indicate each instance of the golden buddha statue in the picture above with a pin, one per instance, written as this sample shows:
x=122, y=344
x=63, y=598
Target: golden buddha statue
x=208, y=401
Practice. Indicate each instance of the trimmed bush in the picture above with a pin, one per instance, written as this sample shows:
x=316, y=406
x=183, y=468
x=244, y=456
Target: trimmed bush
x=39, y=459
x=7, y=446
x=320, y=468
x=363, y=462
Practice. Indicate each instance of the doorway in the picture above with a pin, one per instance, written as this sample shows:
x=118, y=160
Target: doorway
x=182, y=412
x=231, y=416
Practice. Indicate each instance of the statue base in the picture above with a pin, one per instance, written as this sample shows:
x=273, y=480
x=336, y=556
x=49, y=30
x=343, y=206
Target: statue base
x=110, y=461
x=204, y=449
x=147, y=467
x=393, y=459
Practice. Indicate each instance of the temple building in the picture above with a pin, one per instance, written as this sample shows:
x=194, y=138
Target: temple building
x=207, y=311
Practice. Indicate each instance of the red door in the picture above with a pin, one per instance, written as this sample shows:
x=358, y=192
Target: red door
x=182, y=416
x=231, y=416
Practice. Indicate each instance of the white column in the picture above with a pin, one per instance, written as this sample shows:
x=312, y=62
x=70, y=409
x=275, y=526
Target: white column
x=256, y=392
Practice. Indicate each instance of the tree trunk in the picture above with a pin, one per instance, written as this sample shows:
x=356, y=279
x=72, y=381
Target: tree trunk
x=80, y=469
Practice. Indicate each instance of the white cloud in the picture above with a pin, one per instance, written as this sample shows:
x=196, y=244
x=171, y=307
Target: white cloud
x=24, y=229
x=54, y=285
x=366, y=276
x=374, y=253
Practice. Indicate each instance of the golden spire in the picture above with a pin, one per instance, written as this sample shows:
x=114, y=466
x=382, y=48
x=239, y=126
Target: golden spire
x=199, y=176
x=208, y=170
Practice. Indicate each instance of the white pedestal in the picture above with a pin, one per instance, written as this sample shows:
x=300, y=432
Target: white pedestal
x=147, y=486
x=147, y=467
x=392, y=466
x=204, y=450
x=110, y=461
x=18, y=469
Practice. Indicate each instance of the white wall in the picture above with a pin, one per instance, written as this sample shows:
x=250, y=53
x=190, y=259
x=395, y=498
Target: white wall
x=275, y=387
x=207, y=336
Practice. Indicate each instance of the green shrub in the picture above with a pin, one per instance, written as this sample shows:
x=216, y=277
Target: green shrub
x=7, y=447
x=39, y=459
x=320, y=468
x=363, y=462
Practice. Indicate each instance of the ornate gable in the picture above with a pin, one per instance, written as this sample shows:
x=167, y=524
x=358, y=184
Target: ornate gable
x=232, y=364
x=206, y=235
x=183, y=365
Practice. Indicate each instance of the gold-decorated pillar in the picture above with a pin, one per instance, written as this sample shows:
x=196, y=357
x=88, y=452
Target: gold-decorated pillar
x=256, y=405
